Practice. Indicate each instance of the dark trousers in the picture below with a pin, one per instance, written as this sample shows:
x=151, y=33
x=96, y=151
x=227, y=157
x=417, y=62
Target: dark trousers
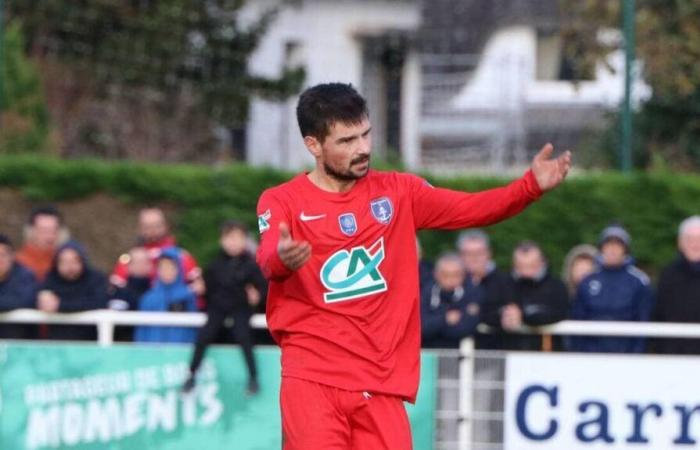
x=241, y=332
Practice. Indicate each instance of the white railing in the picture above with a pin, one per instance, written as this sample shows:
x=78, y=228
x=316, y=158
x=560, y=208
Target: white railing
x=105, y=320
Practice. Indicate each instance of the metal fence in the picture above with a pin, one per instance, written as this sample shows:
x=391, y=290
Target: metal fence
x=471, y=383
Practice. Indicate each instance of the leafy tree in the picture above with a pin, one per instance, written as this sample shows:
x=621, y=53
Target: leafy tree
x=176, y=55
x=24, y=118
x=668, y=46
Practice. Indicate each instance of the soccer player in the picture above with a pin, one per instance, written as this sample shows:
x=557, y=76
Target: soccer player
x=339, y=247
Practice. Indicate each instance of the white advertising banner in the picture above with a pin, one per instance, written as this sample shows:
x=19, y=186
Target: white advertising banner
x=576, y=401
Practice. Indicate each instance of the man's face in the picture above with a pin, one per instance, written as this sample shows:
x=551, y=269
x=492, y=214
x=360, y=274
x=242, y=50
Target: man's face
x=613, y=253
x=528, y=264
x=45, y=231
x=345, y=152
x=689, y=243
x=476, y=256
x=234, y=242
x=7, y=258
x=70, y=266
x=152, y=225
x=449, y=275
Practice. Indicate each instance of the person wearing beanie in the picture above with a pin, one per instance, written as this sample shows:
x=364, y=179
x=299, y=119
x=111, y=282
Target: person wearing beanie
x=679, y=289
x=616, y=291
x=72, y=285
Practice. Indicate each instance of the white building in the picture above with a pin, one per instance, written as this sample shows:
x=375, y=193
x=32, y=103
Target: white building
x=337, y=40
x=451, y=84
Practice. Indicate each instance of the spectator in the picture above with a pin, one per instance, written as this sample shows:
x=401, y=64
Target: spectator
x=485, y=285
x=43, y=235
x=447, y=314
x=541, y=298
x=126, y=298
x=616, y=291
x=679, y=289
x=18, y=289
x=578, y=264
x=72, y=285
x=235, y=286
x=170, y=293
x=155, y=236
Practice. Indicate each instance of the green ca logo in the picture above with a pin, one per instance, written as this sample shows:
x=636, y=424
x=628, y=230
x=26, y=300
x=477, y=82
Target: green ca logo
x=353, y=274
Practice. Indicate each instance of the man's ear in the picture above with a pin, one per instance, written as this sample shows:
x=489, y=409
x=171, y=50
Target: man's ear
x=313, y=145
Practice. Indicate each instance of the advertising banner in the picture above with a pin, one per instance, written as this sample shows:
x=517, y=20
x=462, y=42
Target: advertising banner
x=576, y=401
x=81, y=396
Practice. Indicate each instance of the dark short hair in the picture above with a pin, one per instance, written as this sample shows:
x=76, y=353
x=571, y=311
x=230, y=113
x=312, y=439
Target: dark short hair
x=48, y=210
x=527, y=246
x=232, y=225
x=323, y=105
x=6, y=241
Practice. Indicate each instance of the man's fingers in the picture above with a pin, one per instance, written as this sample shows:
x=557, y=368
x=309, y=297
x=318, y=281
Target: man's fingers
x=296, y=249
x=545, y=153
x=298, y=258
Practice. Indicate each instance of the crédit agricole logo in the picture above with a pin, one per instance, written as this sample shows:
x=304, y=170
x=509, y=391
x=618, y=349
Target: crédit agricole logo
x=353, y=274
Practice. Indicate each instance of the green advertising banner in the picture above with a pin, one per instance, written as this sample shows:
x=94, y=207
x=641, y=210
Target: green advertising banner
x=126, y=397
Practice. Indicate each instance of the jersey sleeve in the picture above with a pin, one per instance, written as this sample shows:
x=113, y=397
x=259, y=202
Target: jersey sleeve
x=448, y=209
x=270, y=213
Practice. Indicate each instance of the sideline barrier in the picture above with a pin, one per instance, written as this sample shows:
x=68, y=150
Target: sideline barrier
x=487, y=386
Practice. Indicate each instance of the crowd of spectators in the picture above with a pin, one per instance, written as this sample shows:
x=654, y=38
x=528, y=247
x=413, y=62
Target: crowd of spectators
x=461, y=290
x=597, y=283
x=52, y=273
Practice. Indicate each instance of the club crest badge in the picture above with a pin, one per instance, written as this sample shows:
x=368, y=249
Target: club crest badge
x=348, y=224
x=382, y=210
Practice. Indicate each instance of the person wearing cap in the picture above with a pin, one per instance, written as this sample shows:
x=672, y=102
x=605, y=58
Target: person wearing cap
x=679, y=289
x=18, y=289
x=616, y=291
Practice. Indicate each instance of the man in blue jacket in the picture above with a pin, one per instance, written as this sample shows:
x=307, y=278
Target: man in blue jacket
x=616, y=291
x=18, y=290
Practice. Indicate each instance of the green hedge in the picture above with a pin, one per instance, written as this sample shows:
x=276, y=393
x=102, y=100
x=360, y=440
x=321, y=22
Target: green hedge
x=650, y=205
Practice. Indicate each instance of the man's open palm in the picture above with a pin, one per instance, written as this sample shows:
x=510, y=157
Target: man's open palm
x=550, y=172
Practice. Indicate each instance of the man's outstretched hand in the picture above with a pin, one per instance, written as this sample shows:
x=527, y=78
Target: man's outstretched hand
x=550, y=172
x=292, y=253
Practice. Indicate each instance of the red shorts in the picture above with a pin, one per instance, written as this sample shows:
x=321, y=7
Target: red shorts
x=320, y=417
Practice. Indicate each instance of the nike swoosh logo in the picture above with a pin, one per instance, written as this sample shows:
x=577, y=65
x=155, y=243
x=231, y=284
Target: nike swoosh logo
x=306, y=218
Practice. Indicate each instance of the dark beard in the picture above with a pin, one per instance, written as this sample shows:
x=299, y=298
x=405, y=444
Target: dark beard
x=342, y=176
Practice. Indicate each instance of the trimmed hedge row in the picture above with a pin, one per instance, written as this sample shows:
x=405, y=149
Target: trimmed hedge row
x=649, y=205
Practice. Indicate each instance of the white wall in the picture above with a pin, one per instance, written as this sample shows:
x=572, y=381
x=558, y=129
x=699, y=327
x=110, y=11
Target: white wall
x=506, y=78
x=327, y=33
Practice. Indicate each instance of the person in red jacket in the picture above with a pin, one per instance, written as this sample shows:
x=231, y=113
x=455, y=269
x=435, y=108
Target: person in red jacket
x=155, y=236
x=338, y=245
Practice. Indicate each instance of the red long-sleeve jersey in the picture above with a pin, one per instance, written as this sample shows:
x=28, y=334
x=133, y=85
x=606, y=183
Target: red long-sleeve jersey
x=349, y=317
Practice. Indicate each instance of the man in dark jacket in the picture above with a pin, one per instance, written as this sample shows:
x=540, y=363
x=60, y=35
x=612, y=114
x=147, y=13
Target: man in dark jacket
x=448, y=315
x=485, y=285
x=72, y=285
x=679, y=289
x=18, y=289
x=540, y=297
x=616, y=291
x=234, y=284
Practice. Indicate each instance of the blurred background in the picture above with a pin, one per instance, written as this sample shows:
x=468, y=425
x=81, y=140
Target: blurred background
x=187, y=107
